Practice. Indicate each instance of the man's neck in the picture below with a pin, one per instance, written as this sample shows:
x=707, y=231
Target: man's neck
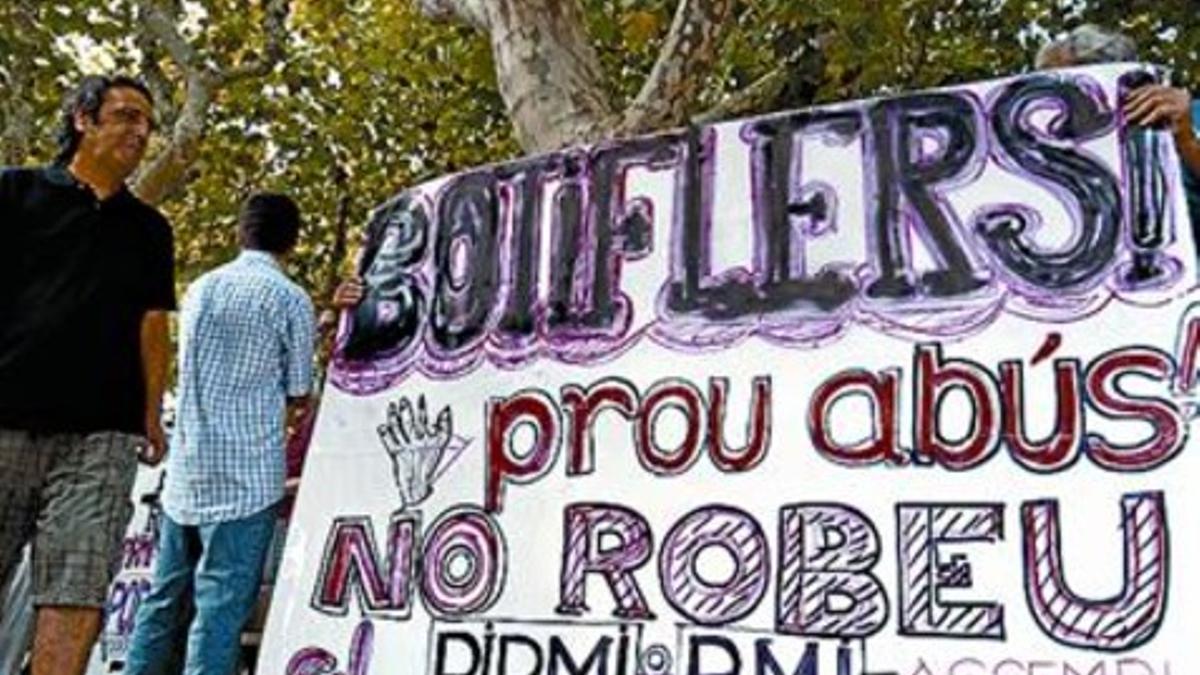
x=104, y=183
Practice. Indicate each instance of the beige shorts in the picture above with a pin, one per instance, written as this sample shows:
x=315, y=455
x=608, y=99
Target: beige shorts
x=68, y=494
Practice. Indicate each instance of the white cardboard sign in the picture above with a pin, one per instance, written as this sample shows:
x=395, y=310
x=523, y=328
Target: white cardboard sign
x=896, y=386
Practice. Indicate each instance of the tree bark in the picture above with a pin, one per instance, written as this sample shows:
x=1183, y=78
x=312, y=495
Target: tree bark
x=16, y=113
x=546, y=69
x=551, y=79
x=167, y=170
x=670, y=92
x=808, y=61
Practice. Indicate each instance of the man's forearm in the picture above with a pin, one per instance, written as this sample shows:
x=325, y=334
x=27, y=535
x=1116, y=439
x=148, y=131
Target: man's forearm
x=156, y=358
x=1189, y=151
x=296, y=408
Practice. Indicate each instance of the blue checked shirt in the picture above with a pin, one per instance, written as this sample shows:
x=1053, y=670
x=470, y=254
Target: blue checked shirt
x=245, y=345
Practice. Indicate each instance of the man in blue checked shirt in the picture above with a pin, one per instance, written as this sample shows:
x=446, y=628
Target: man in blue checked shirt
x=245, y=365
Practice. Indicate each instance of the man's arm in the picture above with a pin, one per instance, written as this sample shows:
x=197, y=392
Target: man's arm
x=9, y=217
x=297, y=407
x=156, y=360
x=1170, y=107
x=1189, y=151
x=299, y=346
x=298, y=373
x=347, y=295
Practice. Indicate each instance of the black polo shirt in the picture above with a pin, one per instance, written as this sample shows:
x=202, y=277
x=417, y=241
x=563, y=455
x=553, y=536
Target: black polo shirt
x=76, y=276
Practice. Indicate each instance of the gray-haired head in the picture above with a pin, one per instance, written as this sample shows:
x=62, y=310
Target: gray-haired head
x=1087, y=44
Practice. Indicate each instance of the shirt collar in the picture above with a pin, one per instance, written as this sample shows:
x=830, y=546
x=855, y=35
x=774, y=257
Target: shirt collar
x=61, y=176
x=258, y=257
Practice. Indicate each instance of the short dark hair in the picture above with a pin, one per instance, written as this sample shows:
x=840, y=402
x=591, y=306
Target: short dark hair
x=87, y=98
x=269, y=222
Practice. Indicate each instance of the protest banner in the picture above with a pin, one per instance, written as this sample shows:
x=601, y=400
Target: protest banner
x=894, y=386
x=135, y=573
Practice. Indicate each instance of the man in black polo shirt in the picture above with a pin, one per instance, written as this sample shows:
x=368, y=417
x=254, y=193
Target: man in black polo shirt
x=86, y=281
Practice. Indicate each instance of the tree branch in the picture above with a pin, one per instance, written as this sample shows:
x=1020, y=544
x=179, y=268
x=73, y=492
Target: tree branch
x=161, y=26
x=167, y=169
x=471, y=12
x=275, y=14
x=160, y=85
x=766, y=90
x=678, y=74
x=546, y=69
x=752, y=98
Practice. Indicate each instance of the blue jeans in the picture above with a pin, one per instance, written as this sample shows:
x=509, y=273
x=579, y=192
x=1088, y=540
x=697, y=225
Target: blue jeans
x=206, y=581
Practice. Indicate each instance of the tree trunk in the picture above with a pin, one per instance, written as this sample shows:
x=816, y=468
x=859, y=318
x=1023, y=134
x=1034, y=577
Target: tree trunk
x=551, y=79
x=687, y=55
x=546, y=69
x=167, y=169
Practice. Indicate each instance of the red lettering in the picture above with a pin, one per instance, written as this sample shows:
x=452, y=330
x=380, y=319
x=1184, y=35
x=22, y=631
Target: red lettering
x=1059, y=449
x=758, y=427
x=683, y=397
x=504, y=416
x=1105, y=394
x=583, y=406
x=882, y=389
x=935, y=378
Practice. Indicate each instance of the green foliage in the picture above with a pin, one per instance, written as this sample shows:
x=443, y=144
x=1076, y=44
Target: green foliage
x=848, y=49
x=32, y=74
x=373, y=97
x=861, y=48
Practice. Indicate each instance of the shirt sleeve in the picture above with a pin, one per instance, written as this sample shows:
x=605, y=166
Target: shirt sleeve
x=6, y=196
x=1187, y=173
x=160, y=269
x=1191, y=182
x=9, y=215
x=10, y=199
x=299, y=342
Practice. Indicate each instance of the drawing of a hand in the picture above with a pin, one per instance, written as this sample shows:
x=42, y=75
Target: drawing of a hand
x=416, y=448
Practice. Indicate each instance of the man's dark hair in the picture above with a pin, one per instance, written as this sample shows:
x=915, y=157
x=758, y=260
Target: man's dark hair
x=269, y=222
x=87, y=98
